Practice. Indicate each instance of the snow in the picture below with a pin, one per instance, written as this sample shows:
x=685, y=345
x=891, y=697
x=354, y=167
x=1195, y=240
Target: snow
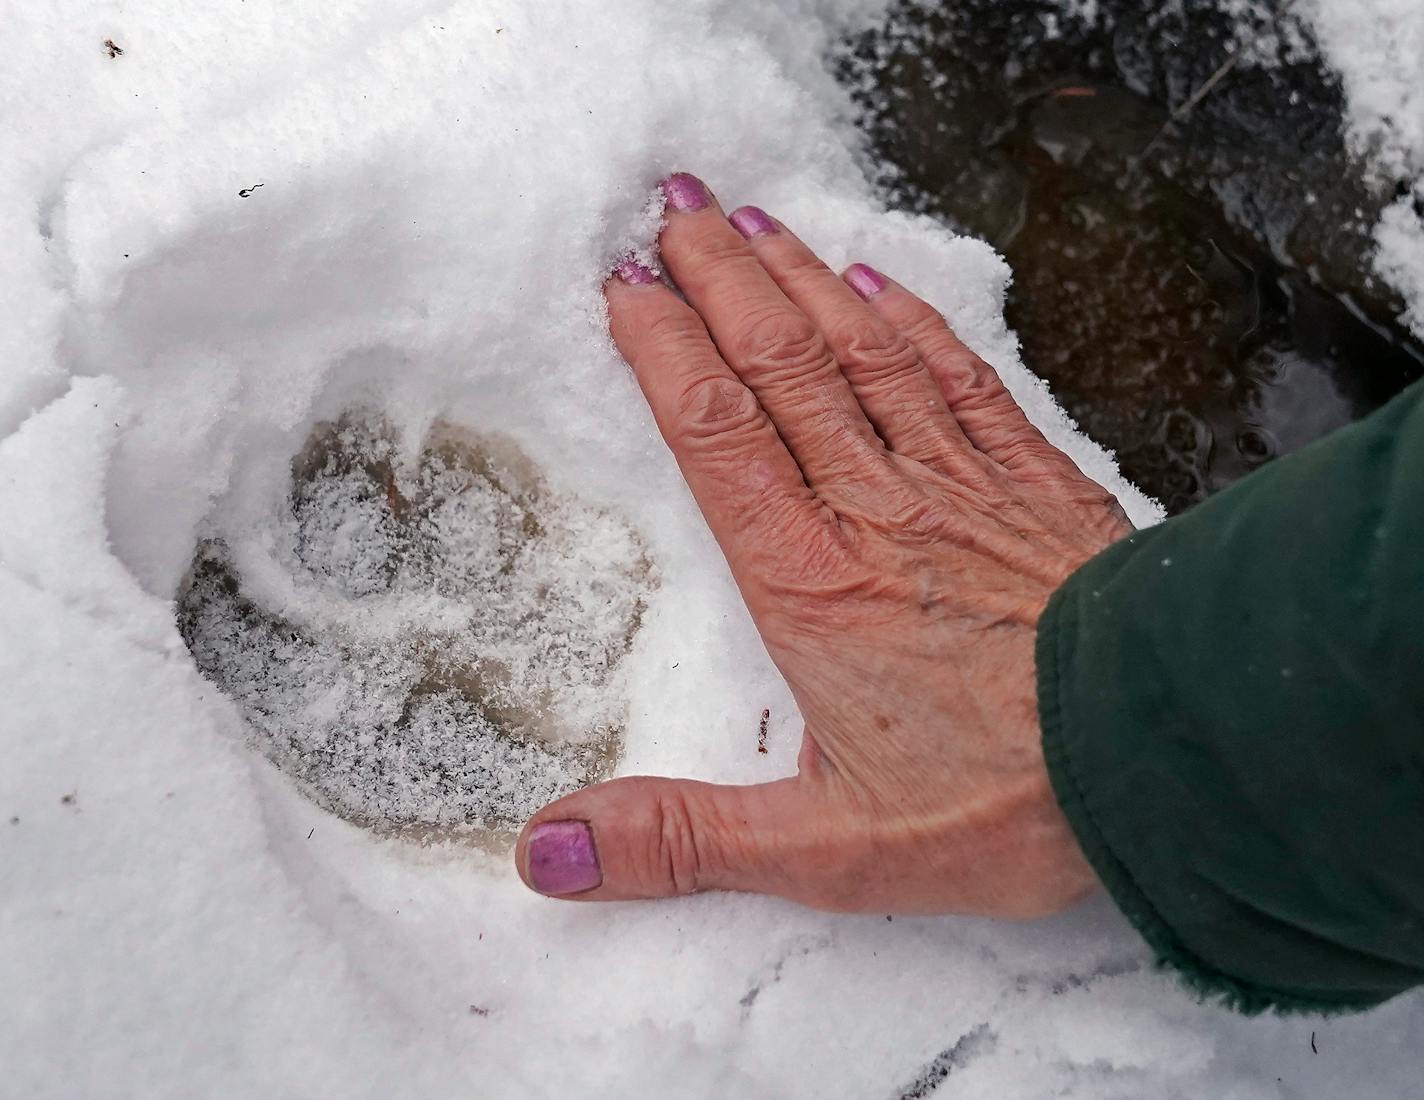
x=1399, y=237
x=193, y=903
x=1377, y=48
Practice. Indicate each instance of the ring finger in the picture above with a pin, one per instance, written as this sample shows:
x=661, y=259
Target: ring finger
x=900, y=398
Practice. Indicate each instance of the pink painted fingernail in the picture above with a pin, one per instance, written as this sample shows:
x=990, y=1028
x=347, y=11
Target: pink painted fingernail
x=562, y=859
x=865, y=280
x=685, y=193
x=752, y=221
x=636, y=274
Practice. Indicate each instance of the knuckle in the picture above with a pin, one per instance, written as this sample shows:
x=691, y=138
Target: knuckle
x=673, y=859
x=871, y=352
x=717, y=409
x=982, y=377
x=804, y=269
x=811, y=553
x=916, y=517
x=925, y=323
x=674, y=331
x=909, y=516
x=781, y=345
x=1022, y=447
x=970, y=380
x=713, y=251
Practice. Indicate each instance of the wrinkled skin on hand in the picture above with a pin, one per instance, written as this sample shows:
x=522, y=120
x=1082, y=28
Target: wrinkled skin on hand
x=896, y=527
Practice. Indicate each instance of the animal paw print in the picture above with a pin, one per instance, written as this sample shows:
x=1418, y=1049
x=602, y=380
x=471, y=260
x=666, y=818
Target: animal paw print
x=425, y=641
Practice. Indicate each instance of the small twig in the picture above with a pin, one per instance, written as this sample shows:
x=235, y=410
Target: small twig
x=1217, y=77
x=761, y=732
x=113, y=48
x=248, y=190
x=1312, y=1044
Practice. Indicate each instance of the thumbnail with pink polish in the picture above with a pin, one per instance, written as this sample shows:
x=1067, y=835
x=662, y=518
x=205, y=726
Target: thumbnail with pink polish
x=685, y=193
x=865, y=280
x=562, y=858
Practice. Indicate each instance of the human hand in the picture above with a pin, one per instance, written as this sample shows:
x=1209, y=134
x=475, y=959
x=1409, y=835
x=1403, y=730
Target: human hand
x=896, y=527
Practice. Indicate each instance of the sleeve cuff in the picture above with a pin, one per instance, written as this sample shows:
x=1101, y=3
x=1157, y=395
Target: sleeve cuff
x=1131, y=887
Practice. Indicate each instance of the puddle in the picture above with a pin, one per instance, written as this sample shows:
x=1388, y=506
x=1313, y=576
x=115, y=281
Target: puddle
x=1197, y=306
x=427, y=644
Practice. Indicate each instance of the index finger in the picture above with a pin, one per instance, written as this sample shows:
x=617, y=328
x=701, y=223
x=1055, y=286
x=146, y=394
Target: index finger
x=779, y=352
x=750, y=489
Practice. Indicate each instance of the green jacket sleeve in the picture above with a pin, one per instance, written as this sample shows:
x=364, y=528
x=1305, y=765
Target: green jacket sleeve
x=1233, y=719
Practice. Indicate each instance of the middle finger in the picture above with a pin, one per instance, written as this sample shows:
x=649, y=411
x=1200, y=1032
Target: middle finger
x=902, y=401
x=774, y=347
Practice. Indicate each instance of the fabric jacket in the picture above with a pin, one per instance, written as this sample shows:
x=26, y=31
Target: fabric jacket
x=1233, y=719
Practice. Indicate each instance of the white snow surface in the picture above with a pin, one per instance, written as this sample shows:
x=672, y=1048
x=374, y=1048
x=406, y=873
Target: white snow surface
x=443, y=187
x=1377, y=48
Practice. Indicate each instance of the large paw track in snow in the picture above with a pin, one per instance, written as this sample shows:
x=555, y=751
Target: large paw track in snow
x=427, y=638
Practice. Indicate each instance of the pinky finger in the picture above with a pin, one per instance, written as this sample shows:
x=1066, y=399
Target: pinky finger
x=986, y=411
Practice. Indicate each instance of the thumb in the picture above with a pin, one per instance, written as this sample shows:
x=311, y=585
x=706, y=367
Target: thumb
x=641, y=837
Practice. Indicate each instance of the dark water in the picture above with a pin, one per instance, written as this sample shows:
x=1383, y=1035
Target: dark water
x=1198, y=295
